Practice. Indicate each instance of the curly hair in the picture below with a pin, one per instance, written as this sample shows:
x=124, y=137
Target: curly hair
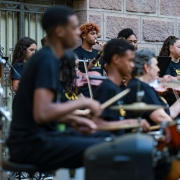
x=125, y=33
x=20, y=50
x=87, y=27
x=167, y=43
x=141, y=58
x=68, y=72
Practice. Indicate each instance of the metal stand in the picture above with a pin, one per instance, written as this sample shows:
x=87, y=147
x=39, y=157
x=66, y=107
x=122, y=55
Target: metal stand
x=4, y=113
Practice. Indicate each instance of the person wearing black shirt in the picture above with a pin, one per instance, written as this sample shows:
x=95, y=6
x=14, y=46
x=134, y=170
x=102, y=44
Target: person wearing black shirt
x=129, y=35
x=24, y=49
x=146, y=71
x=34, y=137
x=89, y=34
x=119, y=55
x=171, y=48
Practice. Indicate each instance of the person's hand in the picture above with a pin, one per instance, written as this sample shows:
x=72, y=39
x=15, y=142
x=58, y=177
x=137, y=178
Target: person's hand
x=168, y=78
x=86, y=112
x=94, y=106
x=83, y=124
x=145, y=125
x=101, y=46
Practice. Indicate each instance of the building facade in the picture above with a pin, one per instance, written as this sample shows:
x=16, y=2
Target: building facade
x=152, y=21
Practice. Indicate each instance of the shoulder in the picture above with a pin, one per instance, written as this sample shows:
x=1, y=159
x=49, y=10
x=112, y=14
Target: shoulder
x=44, y=55
x=77, y=49
x=18, y=65
x=95, y=50
x=133, y=84
x=107, y=85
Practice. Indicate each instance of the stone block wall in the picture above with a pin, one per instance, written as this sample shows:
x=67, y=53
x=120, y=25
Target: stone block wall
x=152, y=20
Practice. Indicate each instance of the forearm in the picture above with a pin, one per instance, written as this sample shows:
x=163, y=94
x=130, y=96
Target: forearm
x=114, y=123
x=54, y=111
x=67, y=119
x=175, y=109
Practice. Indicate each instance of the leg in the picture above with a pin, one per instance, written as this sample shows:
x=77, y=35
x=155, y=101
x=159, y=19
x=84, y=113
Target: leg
x=55, y=152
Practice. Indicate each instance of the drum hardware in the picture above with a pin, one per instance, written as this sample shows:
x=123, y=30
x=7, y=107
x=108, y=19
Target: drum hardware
x=178, y=128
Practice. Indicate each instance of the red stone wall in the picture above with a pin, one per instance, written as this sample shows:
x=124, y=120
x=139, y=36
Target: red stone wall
x=152, y=20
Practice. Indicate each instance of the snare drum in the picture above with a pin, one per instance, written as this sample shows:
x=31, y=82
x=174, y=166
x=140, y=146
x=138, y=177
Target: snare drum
x=172, y=133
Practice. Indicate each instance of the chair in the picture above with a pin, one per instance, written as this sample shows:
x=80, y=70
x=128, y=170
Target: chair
x=17, y=167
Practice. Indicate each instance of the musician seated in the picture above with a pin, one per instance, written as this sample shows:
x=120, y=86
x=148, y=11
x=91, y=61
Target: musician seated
x=146, y=71
x=119, y=55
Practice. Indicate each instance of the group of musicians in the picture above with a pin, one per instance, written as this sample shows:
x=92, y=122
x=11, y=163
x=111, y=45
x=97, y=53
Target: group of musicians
x=47, y=92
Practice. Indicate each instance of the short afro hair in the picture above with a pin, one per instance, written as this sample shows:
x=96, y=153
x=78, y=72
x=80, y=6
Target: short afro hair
x=55, y=16
x=115, y=46
x=87, y=27
x=125, y=33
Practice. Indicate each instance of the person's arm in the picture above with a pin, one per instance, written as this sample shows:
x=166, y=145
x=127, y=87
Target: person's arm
x=15, y=84
x=93, y=61
x=16, y=75
x=159, y=116
x=100, y=122
x=80, y=123
x=175, y=109
x=44, y=110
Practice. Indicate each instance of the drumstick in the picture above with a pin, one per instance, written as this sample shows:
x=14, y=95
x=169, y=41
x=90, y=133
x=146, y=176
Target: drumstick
x=115, y=98
x=151, y=128
x=155, y=127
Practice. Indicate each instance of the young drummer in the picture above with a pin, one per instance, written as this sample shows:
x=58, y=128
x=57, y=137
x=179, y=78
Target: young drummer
x=119, y=55
x=34, y=137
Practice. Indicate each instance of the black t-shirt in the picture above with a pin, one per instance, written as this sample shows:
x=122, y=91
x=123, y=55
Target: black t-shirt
x=19, y=68
x=106, y=90
x=83, y=54
x=41, y=71
x=150, y=97
x=64, y=94
x=99, y=66
x=173, y=69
